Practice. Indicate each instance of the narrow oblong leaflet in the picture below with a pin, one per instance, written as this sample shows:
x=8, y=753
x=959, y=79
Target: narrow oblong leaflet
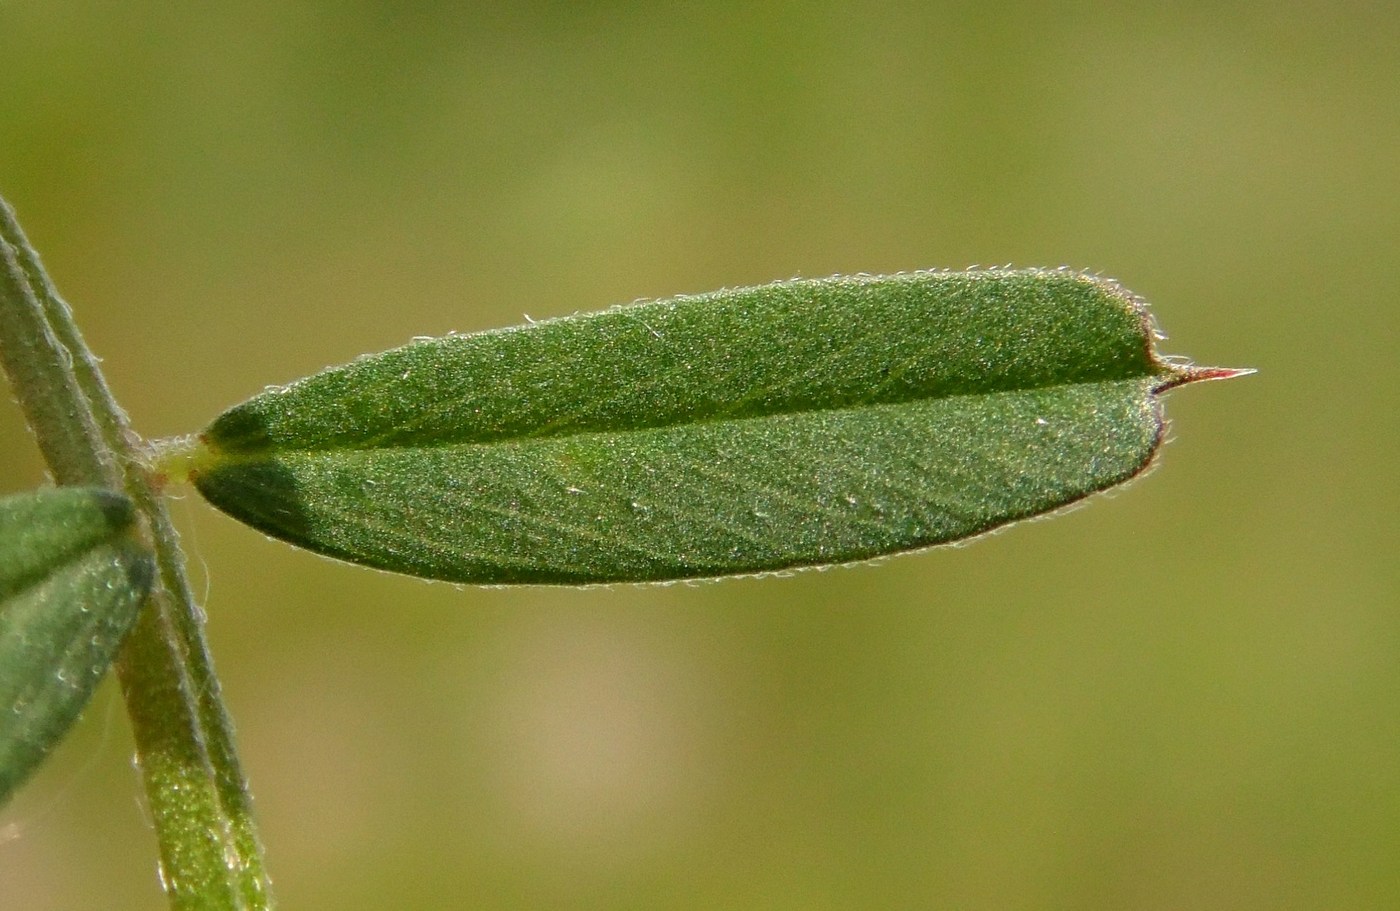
x=72, y=581
x=799, y=423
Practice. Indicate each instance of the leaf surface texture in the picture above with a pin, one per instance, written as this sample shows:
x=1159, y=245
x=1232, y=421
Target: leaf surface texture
x=72, y=581
x=799, y=423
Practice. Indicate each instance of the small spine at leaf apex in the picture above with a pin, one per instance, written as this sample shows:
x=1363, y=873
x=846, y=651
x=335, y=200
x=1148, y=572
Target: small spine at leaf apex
x=1180, y=376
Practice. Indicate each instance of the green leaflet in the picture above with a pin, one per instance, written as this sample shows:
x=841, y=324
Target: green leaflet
x=793, y=424
x=71, y=584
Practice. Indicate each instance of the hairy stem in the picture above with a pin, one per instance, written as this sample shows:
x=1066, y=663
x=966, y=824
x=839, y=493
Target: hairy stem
x=211, y=855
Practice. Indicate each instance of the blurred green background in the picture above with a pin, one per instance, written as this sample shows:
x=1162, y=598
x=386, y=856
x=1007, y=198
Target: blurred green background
x=1186, y=695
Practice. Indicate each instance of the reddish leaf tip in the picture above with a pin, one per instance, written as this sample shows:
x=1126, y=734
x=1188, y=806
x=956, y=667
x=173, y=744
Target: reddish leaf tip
x=1183, y=375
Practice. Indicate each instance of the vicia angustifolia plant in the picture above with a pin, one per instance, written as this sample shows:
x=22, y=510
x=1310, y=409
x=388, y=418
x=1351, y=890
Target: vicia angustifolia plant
x=801, y=423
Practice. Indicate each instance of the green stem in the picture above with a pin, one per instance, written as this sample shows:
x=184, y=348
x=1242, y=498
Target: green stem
x=211, y=855
x=44, y=384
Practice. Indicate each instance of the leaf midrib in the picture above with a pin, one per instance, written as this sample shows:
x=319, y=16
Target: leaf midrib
x=222, y=458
